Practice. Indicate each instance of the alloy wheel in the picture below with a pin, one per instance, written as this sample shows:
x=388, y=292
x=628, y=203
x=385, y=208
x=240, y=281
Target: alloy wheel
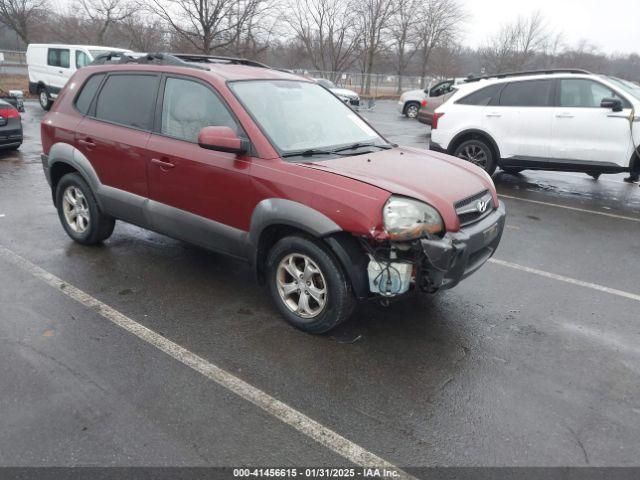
x=412, y=111
x=76, y=209
x=474, y=153
x=301, y=285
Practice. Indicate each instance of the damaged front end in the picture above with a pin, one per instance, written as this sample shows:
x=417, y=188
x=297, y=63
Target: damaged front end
x=433, y=262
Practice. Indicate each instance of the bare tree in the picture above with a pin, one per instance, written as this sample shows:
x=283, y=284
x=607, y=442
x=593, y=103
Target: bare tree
x=103, y=14
x=21, y=15
x=515, y=44
x=325, y=28
x=143, y=35
x=207, y=25
x=404, y=36
x=374, y=20
x=439, y=23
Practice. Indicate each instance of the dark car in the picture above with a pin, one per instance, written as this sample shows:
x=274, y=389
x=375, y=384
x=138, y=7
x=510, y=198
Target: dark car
x=272, y=169
x=10, y=127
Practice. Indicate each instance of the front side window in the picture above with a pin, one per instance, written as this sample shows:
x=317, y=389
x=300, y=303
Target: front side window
x=532, y=93
x=188, y=107
x=58, y=57
x=82, y=59
x=297, y=115
x=128, y=100
x=583, y=93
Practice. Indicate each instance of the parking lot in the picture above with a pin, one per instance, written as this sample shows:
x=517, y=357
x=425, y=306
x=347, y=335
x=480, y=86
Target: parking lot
x=532, y=361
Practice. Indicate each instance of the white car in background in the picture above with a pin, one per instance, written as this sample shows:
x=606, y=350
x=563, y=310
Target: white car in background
x=347, y=96
x=410, y=102
x=51, y=65
x=565, y=120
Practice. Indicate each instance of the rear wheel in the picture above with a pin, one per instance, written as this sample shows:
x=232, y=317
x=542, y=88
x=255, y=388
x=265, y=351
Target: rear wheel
x=44, y=98
x=478, y=152
x=79, y=212
x=411, y=110
x=307, y=285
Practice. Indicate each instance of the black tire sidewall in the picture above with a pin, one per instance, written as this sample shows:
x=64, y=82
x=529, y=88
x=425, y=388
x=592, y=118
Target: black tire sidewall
x=491, y=161
x=339, y=295
x=92, y=234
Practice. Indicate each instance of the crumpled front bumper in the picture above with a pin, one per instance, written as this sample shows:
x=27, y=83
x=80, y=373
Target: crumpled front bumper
x=458, y=255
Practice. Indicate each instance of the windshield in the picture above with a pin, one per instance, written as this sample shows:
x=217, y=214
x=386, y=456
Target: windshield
x=95, y=53
x=325, y=83
x=299, y=116
x=629, y=87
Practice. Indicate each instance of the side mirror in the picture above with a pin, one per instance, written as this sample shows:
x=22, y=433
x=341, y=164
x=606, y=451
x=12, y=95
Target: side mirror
x=614, y=104
x=222, y=139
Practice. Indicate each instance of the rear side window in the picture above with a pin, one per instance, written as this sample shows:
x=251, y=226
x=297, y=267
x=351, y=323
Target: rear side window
x=535, y=93
x=83, y=101
x=482, y=97
x=58, y=57
x=128, y=100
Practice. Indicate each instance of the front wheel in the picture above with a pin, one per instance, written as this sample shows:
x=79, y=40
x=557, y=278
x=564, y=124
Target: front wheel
x=307, y=285
x=79, y=212
x=411, y=110
x=478, y=152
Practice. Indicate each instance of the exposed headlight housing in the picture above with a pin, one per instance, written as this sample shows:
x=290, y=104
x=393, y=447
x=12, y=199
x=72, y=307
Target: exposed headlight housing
x=408, y=219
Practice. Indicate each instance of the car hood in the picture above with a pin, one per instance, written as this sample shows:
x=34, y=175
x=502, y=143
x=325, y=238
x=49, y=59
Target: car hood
x=344, y=92
x=438, y=179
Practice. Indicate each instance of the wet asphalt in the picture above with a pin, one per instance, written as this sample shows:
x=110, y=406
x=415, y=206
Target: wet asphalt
x=509, y=368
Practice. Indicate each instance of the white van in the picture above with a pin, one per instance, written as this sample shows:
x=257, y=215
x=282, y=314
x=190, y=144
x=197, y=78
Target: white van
x=51, y=65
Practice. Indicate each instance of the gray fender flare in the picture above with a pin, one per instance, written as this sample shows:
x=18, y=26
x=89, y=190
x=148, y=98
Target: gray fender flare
x=68, y=154
x=277, y=211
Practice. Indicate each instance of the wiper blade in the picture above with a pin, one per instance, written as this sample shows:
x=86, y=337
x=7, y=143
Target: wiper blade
x=384, y=146
x=311, y=152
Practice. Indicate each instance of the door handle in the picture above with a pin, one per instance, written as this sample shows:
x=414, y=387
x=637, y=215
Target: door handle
x=494, y=115
x=564, y=115
x=87, y=143
x=163, y=164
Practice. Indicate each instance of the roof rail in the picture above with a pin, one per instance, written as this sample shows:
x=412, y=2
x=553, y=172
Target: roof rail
x=529, y=72
x=143, y=58
x=198, y=58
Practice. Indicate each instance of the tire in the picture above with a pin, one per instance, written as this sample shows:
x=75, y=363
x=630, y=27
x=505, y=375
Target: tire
x=44, y=98
x=511, y=171
x=98, y=226
x=478, y=152
x=411, y=109
x=324, y=275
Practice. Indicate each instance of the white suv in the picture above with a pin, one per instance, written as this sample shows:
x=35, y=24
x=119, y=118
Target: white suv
x=569, y=120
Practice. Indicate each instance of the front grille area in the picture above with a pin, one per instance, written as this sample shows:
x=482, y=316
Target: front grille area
x=468, y=209
x=355, y=102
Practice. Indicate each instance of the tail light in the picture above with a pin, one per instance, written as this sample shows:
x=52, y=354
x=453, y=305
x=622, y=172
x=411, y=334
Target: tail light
x=434, y=122
x=9, y=113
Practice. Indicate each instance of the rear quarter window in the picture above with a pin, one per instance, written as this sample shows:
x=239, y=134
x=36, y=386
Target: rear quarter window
x=89, y=89
x=482, y=97
x=128, y=99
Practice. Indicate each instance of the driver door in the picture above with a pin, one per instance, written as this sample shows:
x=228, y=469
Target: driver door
x=196, y=194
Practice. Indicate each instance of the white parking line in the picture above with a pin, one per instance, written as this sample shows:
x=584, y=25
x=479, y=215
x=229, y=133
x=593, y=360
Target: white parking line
x=584, y=210
x=562, y=278
x=283, y=412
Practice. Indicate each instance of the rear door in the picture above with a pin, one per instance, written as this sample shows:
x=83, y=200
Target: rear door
x=521, y=120
x=199, y=195
x=114, y=136
x=585, y=132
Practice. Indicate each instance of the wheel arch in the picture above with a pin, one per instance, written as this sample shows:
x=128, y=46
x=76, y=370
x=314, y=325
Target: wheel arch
x=274, y=219
x=65, y=158
x=407, y=103
x=475, y=133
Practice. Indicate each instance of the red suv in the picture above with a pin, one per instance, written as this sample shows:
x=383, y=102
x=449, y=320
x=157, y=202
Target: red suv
x=270, y=168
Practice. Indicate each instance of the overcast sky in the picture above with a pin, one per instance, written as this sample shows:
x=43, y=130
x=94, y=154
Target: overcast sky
x=610, y=25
